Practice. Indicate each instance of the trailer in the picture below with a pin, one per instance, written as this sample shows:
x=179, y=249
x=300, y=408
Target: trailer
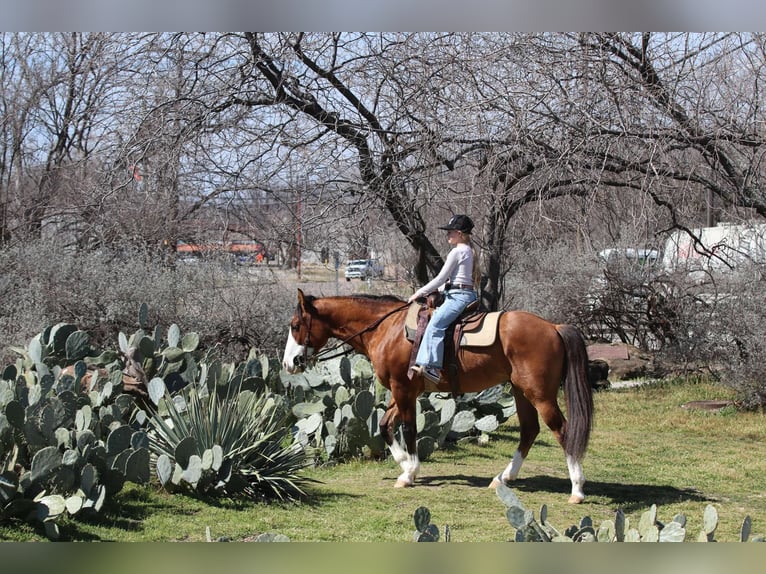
x=715, y=249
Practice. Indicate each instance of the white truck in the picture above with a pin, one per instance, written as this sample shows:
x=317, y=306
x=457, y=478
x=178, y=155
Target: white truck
x=363, y=269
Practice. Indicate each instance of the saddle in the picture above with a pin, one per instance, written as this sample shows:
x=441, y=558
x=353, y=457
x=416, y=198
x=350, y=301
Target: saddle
x=475, y=327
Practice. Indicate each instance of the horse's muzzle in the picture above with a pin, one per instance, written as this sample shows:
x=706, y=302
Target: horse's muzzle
x=297, y=365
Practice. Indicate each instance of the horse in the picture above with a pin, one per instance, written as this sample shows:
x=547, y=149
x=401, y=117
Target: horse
x=535, y=355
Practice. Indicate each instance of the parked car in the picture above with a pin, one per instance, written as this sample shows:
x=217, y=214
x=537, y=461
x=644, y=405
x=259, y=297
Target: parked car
x=640, y=256
x=363, y=269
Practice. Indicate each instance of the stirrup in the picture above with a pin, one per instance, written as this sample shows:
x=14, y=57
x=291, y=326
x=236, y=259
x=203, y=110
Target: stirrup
x=427, y=373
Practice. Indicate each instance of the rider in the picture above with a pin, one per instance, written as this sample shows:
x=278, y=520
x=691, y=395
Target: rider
x=458, y=276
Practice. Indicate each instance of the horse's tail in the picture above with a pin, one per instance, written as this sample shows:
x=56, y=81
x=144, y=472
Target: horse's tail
x=578, y=393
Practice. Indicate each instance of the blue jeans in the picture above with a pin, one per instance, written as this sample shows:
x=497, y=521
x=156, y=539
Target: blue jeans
x=431, y=351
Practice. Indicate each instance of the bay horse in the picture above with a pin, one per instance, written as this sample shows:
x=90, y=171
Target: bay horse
x=536, y=356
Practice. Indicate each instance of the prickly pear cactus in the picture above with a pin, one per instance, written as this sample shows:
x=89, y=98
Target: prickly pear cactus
x=351, y=404
x=68, y=427
x=649, y=529
x=424, y=530
x=60, y=435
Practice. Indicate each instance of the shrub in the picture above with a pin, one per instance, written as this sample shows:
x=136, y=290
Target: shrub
x=722, y=329
x=552, y=282
x=713, y=323
x=100, y=290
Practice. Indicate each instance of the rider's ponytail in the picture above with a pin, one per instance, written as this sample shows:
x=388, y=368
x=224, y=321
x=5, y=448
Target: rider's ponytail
x=476, y=271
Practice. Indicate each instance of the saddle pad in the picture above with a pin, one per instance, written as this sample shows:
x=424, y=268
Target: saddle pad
x=482, y=337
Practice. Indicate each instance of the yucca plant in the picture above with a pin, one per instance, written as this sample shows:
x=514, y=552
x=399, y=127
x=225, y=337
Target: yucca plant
x=232, y=443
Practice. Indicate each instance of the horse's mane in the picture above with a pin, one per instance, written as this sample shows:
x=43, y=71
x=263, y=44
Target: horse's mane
x=388, y=298
x=361, y=297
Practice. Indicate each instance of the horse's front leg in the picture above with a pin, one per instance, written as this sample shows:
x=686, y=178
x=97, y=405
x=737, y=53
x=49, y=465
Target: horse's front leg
x=387, y=426
x=404, y=406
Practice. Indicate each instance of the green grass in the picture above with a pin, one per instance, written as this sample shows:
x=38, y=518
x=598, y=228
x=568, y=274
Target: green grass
x=645, y=449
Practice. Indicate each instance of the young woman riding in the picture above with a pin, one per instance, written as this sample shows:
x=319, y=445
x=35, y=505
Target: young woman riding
x=459, y=277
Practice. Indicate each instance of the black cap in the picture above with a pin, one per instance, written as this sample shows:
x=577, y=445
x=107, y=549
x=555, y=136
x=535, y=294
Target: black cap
x=460, y=223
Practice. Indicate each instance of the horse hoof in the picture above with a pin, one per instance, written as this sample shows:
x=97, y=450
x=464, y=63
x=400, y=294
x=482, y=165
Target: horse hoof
x=495, y=483
x=402, y=484
x=574, y=499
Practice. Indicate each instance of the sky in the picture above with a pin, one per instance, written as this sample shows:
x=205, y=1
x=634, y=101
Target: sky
x=383, y=15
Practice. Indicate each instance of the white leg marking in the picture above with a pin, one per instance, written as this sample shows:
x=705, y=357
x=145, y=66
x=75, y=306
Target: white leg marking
x=410, y=466
x=399, y=454
x=578, y=480
x=512, y=470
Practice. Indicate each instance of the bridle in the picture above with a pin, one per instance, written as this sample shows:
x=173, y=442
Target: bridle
x=320, y=356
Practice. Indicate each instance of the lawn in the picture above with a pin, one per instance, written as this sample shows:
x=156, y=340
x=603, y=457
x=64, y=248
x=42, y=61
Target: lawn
x=646, y=449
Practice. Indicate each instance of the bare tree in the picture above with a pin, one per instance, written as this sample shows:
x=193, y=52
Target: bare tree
x=140, y=135
x=686, y=110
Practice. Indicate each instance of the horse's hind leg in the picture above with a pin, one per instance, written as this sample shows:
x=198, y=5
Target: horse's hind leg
x=578, y=480
x=530, y=428
x=554, y=418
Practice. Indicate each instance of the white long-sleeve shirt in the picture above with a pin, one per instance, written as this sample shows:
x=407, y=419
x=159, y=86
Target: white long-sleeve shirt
x=458, y=268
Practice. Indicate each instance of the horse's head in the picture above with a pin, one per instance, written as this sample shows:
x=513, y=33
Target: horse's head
x=307, y=334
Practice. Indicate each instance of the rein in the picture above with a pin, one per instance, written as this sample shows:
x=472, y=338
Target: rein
x=320, y=356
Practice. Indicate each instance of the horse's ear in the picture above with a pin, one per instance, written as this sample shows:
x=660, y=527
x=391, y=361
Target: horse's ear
x=301, y=299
